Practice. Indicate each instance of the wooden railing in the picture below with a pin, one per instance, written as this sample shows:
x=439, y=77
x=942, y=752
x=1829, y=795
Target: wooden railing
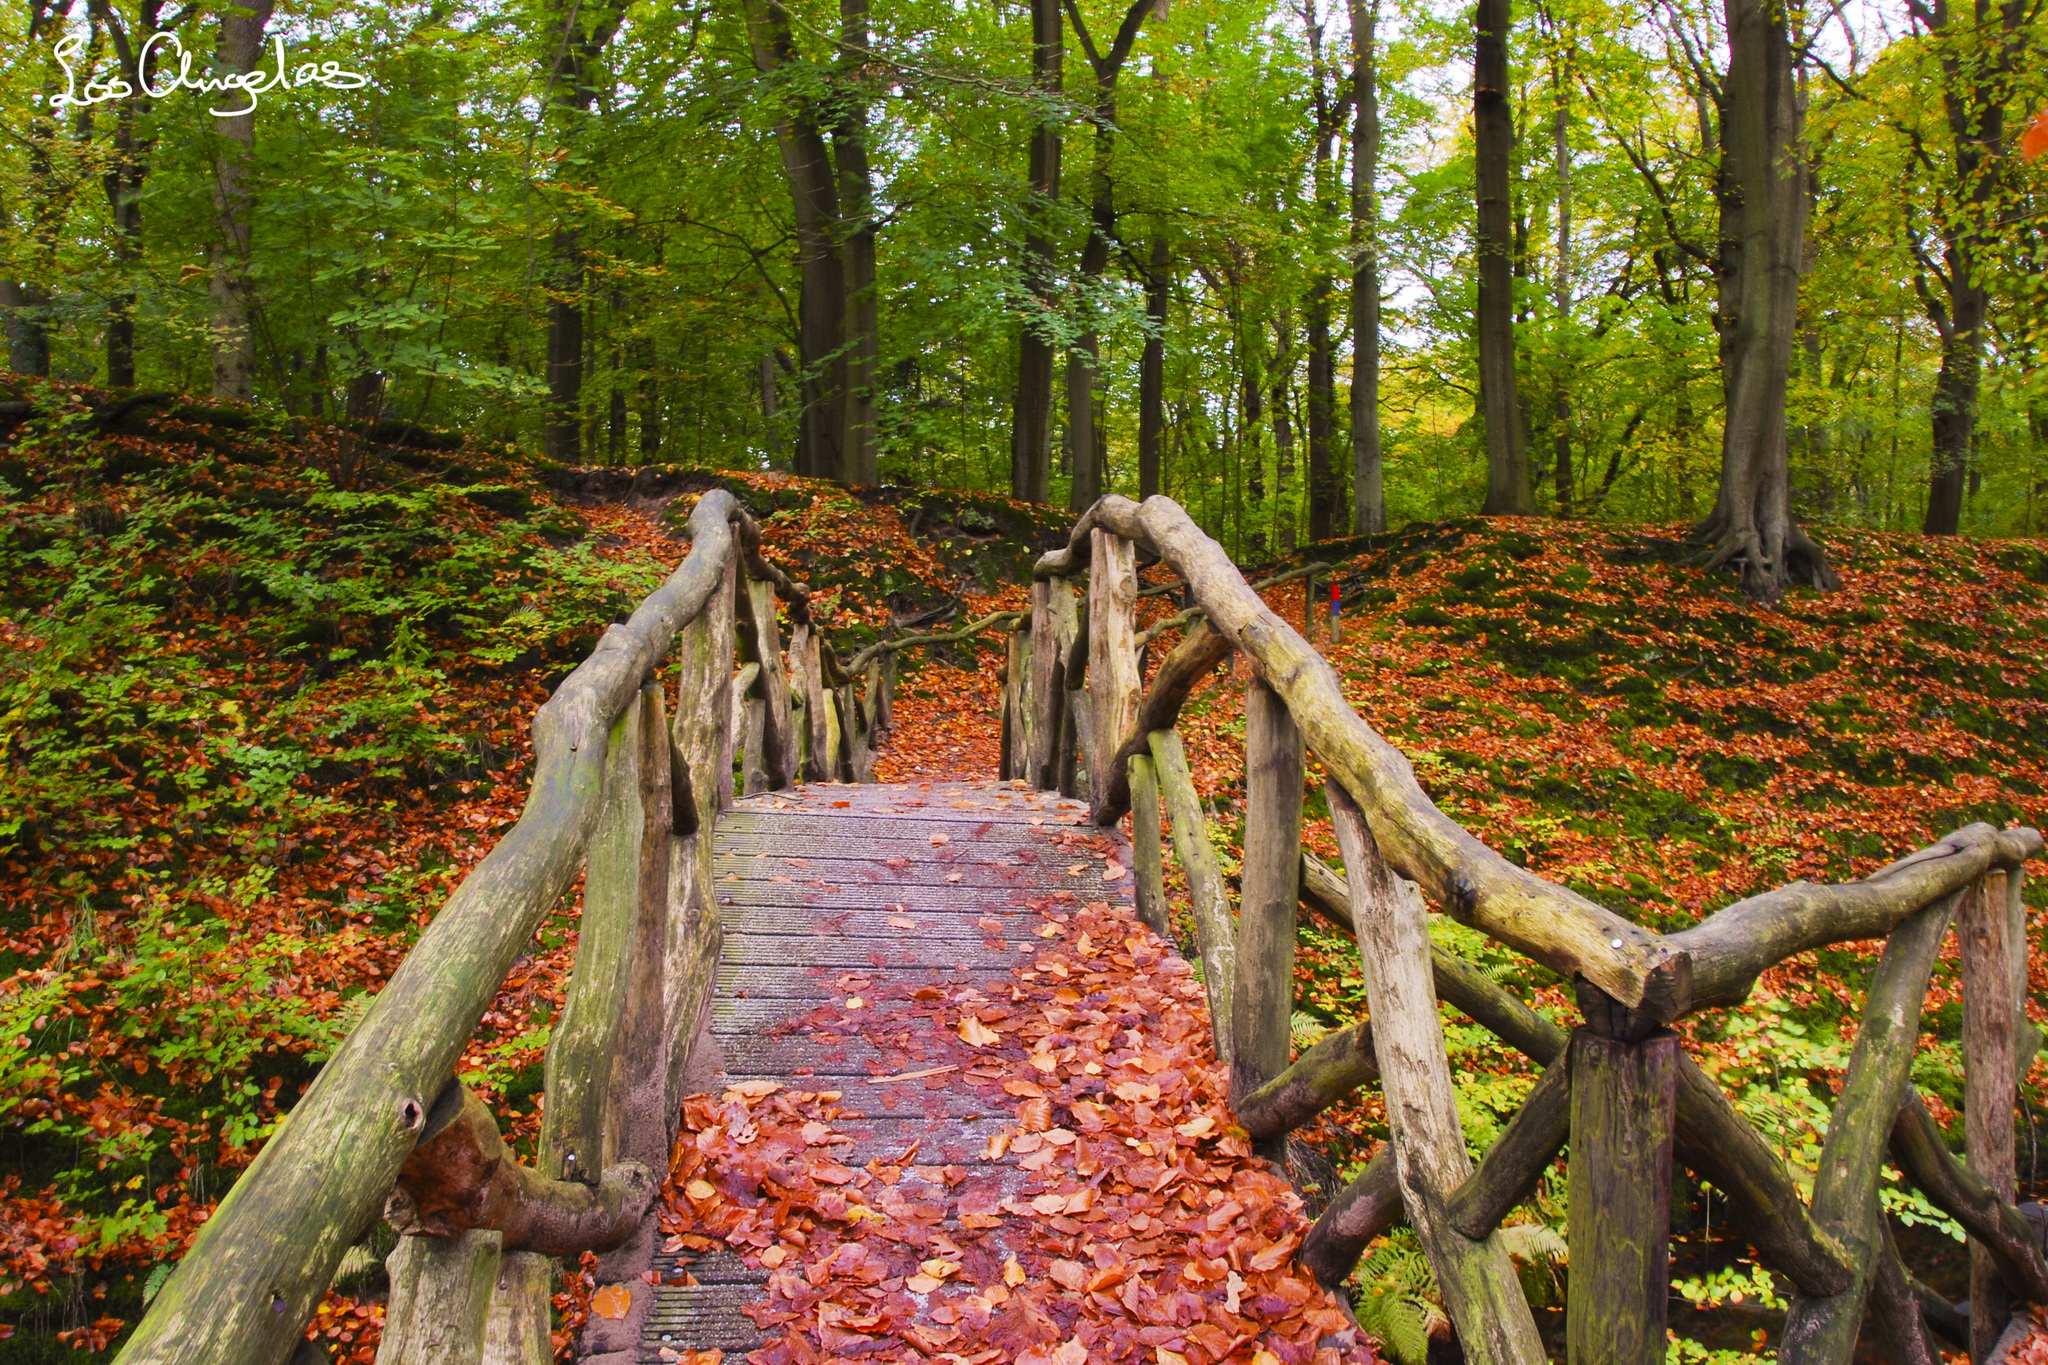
x=1618, y=1088
x=625, y=791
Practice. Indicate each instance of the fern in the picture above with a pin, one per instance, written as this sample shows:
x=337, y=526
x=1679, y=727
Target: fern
x=1398, y=1305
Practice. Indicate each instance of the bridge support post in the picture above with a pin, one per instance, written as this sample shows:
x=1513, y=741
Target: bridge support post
x=1263, y=1001
x=1990, y=1026
x=1624, y=1095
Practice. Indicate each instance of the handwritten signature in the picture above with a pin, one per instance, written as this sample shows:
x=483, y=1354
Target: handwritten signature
x=249, y=83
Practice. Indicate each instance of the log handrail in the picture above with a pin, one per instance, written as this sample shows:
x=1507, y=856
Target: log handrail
x=1637, y=1095
x=613, y=786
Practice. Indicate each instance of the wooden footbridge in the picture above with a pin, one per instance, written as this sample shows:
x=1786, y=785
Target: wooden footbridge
x=740, y=936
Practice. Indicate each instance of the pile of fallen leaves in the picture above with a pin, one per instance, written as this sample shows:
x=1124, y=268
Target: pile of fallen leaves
x=1121, y=1217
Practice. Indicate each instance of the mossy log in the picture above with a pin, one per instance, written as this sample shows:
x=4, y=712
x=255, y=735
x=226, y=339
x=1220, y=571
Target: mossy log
x=1193, y=660
x=1985, y=956
x=1894, y=1303
x=1730, y=947
x=243, y=1293
x=1363, y=1211
x=1215, y=934
x=1508, y=1173
x=440, y=1302
x=1822, y=1331
x=1477, y=1280
x=1559, y=928
x=1340, y=1062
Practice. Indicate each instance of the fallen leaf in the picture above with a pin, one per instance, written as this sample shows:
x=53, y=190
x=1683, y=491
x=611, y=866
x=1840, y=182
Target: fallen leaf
x=974, y=1033
x=902, y=922
x=700, y=1190
x=854, y=1002
x=612, y=1302
x=940, y=840
x=1197, y=1127
x=1112, y=870
x=1013, y=1274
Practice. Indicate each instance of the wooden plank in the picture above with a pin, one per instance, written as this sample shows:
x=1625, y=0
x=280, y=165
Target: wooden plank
x=1983, y=936
x=1052, y=628
x=1269, y=890
x=1623, y=1094
x=522, y=1318
x=1113, y=682
x=1477, y=1280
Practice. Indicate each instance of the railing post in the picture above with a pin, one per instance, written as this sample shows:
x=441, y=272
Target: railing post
x=1052, y=610
x=1983, y=934
x=1623, y=1096
x=442, y=1288
x=778, y=740
x=1113, y=681
x=1145, y=852
x=1269, y=890
x=1215, y=937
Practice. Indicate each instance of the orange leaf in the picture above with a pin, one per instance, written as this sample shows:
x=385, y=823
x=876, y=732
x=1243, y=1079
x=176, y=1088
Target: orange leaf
x=613, y=1301
x=2034, y=140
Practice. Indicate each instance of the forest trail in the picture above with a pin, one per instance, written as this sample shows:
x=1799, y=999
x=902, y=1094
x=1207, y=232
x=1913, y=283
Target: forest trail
x=969, y=1109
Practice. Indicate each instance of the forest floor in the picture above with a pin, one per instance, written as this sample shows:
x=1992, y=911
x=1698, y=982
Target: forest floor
x=263, y=695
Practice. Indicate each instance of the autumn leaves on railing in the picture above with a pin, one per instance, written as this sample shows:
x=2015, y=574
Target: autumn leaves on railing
x=1618, y=1089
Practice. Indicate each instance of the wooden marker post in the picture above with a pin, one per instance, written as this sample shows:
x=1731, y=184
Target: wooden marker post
x=1623, y=1097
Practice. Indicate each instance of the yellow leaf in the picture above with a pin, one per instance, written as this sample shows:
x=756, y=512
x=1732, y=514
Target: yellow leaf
x=974, y=1033
x=699, y=1191
x=1195, y=1128
x=1013, y=1274
x=1162, y=1356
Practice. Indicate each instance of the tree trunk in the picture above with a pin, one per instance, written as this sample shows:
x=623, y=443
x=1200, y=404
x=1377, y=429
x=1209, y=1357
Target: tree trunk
x=1325, y=483
x=1031, y=418
x=1368, y=491
x=1764, y=174
x=859, y=455
x=1493, y=124
x=1561, y=290
x=563, y=437
x=1285, y=528
x=1975, y=82
x=234, y=336
x=808, y=166
x=1152, y=373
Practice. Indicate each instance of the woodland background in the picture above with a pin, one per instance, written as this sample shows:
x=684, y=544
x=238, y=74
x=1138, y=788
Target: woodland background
x=1052, y=250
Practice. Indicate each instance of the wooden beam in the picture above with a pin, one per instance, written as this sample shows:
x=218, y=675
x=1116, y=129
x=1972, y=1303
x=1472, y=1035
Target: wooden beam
x=1146, y=863
x=1052, y=620
x=1508, y=1173
x=1475, y=885
x=1822, y=1331
x=1989, y=1098
x=1477, y=1280
x=519, y=1330
x=1991, y=1221
x=1730, y=947
x=1717, y=1143
x=779, y=741
x=1623, y=1093
x=1269, y=892
x=1215, y=935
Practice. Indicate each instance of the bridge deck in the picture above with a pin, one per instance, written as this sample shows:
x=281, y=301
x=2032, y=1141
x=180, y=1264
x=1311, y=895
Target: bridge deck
x=870, y=932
